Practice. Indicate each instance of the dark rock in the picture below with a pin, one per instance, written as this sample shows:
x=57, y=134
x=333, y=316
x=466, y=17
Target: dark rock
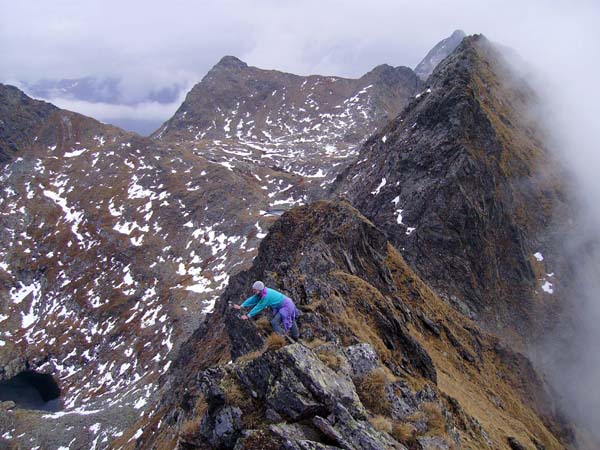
x=289, y=397
x=403, y=401
x=272, y=416
x=221, y=428
x=430, y=325
x=295, y=431
x=427, y=394
x=515, y=444
x=417, y=355
x=326, y=385
x=466, y=187
x=20, y=117
x=462, y=351
x=296, y=384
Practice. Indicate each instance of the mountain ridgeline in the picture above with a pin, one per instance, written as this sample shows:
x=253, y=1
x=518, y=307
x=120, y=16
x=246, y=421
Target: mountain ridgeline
x=413, y=216
x=462, y=183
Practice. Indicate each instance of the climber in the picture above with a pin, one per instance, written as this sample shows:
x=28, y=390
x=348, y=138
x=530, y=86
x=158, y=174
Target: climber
x=284, y=310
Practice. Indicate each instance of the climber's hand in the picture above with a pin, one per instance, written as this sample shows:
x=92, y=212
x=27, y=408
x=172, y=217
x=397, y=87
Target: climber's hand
x=245, y=317
x=236, y=306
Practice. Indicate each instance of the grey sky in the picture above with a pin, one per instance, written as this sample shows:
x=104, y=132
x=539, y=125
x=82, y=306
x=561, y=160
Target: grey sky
x=151, y=44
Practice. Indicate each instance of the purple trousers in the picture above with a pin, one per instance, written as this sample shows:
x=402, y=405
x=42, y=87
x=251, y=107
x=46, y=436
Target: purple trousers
x=285, y=315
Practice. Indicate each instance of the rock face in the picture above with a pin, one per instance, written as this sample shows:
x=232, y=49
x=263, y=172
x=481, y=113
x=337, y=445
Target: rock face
x=352, y=381
x=461, y=183
x=437, y=54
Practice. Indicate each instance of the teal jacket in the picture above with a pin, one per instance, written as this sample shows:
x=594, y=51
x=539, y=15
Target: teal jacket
x=267, y=298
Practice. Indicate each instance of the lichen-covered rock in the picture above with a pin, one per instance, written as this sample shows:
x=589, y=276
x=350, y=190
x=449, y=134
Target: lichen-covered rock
x=295, y=383
x=434, y=443
x=362, y=358
x=222, y=428
x=350, y=433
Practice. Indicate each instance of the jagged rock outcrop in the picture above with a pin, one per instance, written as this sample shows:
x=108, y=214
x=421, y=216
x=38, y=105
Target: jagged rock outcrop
x=368, y=372
x=462, y=184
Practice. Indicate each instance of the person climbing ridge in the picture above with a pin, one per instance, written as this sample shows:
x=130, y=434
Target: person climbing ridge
x=284, y=310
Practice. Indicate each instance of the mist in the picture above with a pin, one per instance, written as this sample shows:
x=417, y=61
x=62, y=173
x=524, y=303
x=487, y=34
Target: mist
x=567, y=70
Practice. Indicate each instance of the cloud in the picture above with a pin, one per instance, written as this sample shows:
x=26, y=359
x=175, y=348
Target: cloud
x=143, y=118
x=109, y=112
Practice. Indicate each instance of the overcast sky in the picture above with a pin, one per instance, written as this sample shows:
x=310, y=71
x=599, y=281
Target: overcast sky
x=151, y=44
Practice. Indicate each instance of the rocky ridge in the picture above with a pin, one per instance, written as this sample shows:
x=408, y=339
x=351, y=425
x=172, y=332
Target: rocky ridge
x=381, y=364
x=438, y=53
x=461, y=182
x=19, y=117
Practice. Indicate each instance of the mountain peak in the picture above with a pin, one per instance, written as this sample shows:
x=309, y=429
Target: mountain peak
x=440, y=51
x=231, y=63
x=458, y=34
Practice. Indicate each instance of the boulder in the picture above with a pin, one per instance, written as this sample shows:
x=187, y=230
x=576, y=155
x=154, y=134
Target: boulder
x=295, y=383
x=362, y=358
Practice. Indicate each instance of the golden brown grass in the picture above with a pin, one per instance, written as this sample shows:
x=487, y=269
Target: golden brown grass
x=264, y=324
x=236, y=396
x=404, y=432
x=436, y=423
x=354, y=318
x=315, y=343
x=312, y=306
x=274, y=342
x=381, y=423
x=330, y=359
x=371, y=390
x=190, y=428
x=233, y=392
x=201, y=406
x=249, y=357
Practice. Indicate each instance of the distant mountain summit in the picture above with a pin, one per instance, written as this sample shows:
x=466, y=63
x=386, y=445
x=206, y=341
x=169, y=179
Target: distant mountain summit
x=309, y=126
x=235, y=100
x=438, y=53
